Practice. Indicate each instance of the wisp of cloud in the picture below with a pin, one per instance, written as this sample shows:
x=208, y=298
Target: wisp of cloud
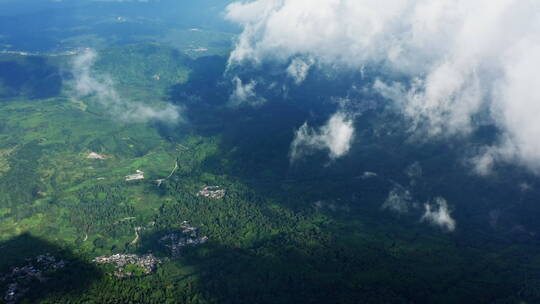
x=101, y=86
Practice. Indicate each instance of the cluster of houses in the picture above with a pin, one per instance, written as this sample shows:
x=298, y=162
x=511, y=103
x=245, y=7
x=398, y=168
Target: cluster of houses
x=188, y=235
x=214, y=192
x=175, y=241
x=94, y=155
x=147, y=263
x=20, y=277
x=136, y=176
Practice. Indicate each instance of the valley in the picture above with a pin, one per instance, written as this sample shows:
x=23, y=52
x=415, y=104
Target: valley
x=130, y=173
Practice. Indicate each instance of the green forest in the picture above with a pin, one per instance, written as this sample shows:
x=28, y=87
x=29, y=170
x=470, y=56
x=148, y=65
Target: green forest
x=275, y=234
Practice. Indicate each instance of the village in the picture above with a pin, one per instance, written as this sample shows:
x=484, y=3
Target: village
x=214, y=192
x=20, y=277
x=147, y=263
x=94, y=155
x=177, y=240
x=138, y=175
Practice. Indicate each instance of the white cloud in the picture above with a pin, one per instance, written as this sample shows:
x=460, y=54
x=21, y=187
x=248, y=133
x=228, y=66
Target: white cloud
x=439, y=215
x=335, y=136
x=461, y=57
x=245, y=93
x=483, y=163
x=399, y=200
x=100, y=86
x=414, y=170
x=298, y=69
x=517, y=103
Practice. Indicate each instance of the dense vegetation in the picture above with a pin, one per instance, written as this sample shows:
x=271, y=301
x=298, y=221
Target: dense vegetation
x=310, y=232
